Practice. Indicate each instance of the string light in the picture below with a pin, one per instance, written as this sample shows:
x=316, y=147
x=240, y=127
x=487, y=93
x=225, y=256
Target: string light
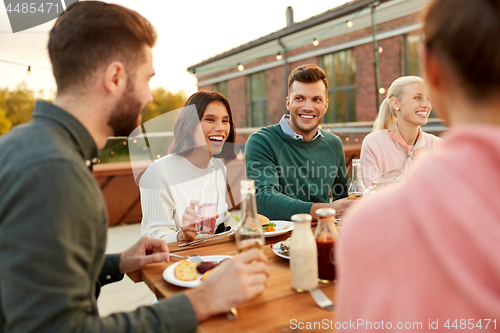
x=349, y=24
x=124, y=143
x=279, y=56
x=158, y=156
x=240, y=67
x=380, y=49
x=347, y=138
x=315, y=42
x=134, y=141
x=356, y=140
x=112, y=153
x=381, y=91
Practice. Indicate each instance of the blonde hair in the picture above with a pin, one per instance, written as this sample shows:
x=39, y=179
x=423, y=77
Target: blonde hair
x=386, y=117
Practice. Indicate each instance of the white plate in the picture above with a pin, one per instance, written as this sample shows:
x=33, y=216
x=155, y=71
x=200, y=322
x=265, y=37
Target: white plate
x=282, y=227
x=169, y=273
x=277, y=251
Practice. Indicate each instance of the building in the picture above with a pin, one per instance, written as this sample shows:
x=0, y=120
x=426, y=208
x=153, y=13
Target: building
x=253, y=76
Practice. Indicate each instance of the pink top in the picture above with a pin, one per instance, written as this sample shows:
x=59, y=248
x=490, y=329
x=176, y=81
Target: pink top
x=385, y=150
x=428, y=249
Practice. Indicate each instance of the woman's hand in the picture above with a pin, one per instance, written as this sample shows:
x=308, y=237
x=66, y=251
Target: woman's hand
x=189, y=228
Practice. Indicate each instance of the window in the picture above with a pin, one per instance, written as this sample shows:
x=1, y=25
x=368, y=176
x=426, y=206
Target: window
x=257, y=93
x=411, y=66
x=222, y=88
x=340, y=70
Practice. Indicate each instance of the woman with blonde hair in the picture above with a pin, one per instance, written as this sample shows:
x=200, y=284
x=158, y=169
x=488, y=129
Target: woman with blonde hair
x=397, y=138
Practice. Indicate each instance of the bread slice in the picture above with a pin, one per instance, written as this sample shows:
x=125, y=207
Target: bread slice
x=186, y=270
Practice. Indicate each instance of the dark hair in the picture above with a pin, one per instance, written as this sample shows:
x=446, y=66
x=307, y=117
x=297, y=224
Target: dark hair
x=186, y=120
x=463, y=33
x=309, y=73
x=91, y=34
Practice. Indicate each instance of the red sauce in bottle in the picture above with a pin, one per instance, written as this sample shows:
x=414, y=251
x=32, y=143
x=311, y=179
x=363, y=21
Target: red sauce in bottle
x=326, y=261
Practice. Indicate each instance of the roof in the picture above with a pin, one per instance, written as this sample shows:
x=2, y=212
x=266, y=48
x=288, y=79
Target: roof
x=331, y=14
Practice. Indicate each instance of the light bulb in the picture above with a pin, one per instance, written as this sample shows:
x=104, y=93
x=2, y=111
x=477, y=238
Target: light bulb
x=240, y=67
x=349, y=24
x=279, y=56
x=380, y=49
x=315, y=42
x=381, y=91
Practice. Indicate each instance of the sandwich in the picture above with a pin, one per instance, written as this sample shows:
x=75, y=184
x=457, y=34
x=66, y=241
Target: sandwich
x=266, y=223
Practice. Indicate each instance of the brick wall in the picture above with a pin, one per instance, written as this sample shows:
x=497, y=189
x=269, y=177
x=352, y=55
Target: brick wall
x=275, y=94
x=390, y=66
x=237, y=96
x=390, y=61
x=365, y=83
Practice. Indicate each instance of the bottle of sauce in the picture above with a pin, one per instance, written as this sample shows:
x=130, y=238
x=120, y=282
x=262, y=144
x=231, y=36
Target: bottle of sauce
x=250, y=233
x=326, y=234
x=209, y=200
x=303, y=254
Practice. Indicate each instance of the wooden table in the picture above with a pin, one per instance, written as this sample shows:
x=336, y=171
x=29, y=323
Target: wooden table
x=278, y=309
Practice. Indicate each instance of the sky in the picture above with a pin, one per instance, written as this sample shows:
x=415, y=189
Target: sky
x=189, y=31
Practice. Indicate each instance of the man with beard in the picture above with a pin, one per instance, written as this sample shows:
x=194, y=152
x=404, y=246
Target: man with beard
x=53, y=219
x=298, y=167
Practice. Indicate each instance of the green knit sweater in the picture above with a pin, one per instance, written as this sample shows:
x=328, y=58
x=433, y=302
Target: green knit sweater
x=291, y=175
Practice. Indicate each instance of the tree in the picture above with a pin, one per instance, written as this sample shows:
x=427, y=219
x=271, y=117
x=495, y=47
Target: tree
x=163, y=101
x=5, y=123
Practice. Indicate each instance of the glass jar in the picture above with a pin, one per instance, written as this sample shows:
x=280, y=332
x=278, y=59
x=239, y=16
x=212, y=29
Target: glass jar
x=303, y=254
x=385, y=180
x=326, y=235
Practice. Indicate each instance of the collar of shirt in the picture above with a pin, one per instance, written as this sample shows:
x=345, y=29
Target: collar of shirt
x=287, y=129
x=81, y=137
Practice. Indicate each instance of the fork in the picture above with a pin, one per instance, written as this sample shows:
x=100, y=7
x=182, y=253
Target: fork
x=321, y=299
x=196, y=258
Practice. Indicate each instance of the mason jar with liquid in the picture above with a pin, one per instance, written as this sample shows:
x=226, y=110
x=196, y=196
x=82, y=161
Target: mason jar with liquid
x=303, y=254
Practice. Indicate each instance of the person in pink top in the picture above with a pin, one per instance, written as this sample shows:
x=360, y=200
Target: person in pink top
x=424, y=256
x=397, y=138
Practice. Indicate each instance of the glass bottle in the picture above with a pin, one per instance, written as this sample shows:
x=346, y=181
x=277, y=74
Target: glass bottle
x=209, y=200
x=250, y=233
x=326, y=234
x=303, y=254
x=356, y=187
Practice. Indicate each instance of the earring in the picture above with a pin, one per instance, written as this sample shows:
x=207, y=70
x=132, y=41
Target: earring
x=397, y=109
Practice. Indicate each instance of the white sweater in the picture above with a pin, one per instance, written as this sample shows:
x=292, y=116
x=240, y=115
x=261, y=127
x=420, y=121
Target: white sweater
x=167, y=187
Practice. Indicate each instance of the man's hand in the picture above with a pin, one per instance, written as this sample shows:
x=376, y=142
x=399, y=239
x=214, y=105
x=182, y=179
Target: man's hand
x=146, y=251
x=189, y=229
x=340, y=206
x=233, y=282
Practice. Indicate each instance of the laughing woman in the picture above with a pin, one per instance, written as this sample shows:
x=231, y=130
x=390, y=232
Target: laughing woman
x=202, y=129
x=397, y=138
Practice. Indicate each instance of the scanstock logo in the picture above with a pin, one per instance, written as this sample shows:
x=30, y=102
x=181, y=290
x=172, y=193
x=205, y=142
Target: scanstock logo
x=26, y=14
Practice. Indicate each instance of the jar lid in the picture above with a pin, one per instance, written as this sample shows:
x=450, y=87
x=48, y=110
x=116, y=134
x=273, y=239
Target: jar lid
x=324, y=212
x=301, y=218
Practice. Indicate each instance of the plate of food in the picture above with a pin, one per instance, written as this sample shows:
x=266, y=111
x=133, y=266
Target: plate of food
x=188, y=274
x=275, y=228
x=282, y=249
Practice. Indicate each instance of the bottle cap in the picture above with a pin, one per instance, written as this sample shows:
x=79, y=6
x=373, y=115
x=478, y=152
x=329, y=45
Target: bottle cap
x=325, y=212
x=301, y=218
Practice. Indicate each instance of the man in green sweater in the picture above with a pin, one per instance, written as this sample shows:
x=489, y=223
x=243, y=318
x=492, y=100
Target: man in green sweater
x=298, y=167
